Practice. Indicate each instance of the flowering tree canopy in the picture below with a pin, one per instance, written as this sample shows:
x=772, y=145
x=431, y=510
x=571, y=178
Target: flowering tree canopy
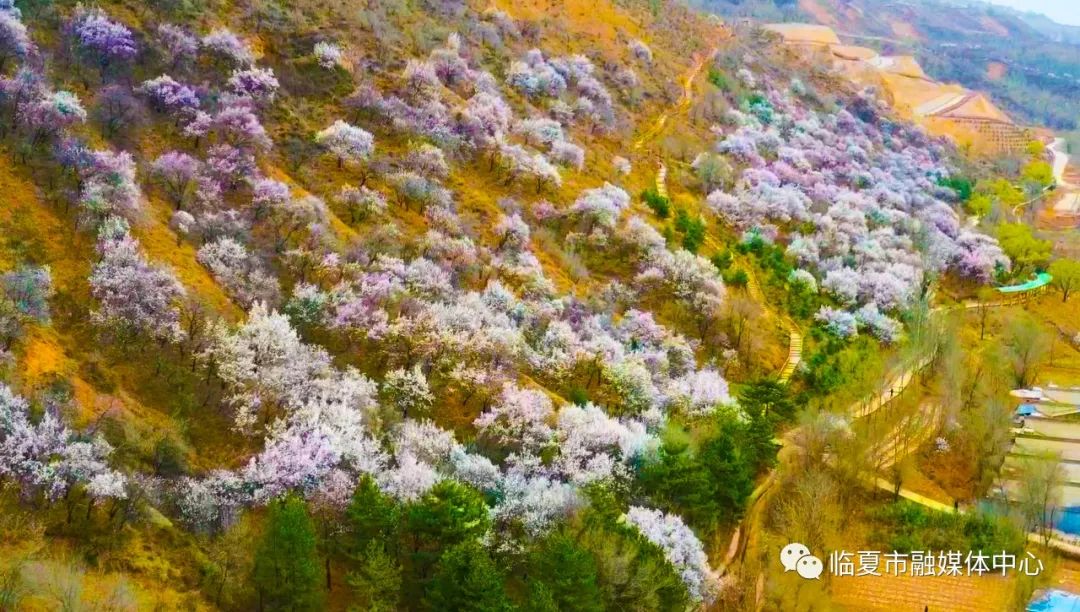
x=258, y=84
x=681, y=548
x=168, y=96
x=50, y=458
x=101, y=39
x=346, y=142
x=328, y=55
x=222, y=43
x=132, y=294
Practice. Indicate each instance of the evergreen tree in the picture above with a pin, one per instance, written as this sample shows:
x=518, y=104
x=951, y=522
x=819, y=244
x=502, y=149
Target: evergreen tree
x=377, y=582
x=730, y=461
x=564, y=573
x=286, y=568
x=539, y=598
x=449, y=514
x=679, y=482
x=631, y=572
x=466, y=580
x=768, y=396
x=373, y=517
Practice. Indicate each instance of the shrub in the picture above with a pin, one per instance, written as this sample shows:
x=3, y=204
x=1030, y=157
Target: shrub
x=722, y=261
x=692, y=228
x=660, y=205
x=736, y=278
x=904, y=526
x=719, y=79
x=961, y=185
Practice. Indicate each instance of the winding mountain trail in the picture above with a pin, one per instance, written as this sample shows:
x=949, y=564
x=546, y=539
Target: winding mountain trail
x=746, y=539
x=747, y=535
x=795, y=337
x=1069, y=203
x=661, y=180
x=684, y=102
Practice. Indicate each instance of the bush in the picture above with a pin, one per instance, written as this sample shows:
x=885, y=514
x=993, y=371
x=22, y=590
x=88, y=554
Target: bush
x=802, y=301
x=736, y=278
x=719, y=79
x=578, y=395
x=962, y=185
x=722, y=261
x=660, y=205
x=169, y=459
x=693, y=230
x=837, y=362
x=979, y=205
x=903, y=526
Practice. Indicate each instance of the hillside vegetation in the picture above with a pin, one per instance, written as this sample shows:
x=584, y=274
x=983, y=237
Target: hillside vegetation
x=1027, y=63
x=379, y=305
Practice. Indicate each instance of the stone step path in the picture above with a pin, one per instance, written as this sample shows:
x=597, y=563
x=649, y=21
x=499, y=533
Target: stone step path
x=661, y=180
x=753, y=288
x=795, y=337
x=795, y=345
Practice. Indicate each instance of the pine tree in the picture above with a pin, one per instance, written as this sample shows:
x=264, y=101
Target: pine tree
x=729, y=460
x=567, y=576
x=539, y=598
x=377, y=583
x=467, y=580
x=373, y=517
x=450, y=513
x=286, y=568
x=678, y=481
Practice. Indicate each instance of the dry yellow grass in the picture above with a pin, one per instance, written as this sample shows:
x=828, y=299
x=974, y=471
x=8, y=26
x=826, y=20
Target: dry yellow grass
x=43, y=358
x=162, y=246
x=805, y=34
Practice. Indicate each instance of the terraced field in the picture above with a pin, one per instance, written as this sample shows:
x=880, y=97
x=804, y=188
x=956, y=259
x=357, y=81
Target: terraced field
x=1054, y=436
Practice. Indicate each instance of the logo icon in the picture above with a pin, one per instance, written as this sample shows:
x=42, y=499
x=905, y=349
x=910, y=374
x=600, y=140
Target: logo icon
x=796, y=557
x=810, y=567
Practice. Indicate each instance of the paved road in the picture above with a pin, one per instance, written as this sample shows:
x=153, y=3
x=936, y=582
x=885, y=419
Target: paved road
x=1061, y=161
x=1070, y=451
x=1054, y=436
x=1070, y=201
x=1054, y=428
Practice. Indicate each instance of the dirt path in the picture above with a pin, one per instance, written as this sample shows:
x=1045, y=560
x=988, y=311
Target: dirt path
x=682, y=105
x=795, y=338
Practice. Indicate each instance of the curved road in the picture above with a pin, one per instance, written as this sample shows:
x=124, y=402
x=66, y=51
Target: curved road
x=1061, y=161
x=747, y=534
x=1070, y=200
